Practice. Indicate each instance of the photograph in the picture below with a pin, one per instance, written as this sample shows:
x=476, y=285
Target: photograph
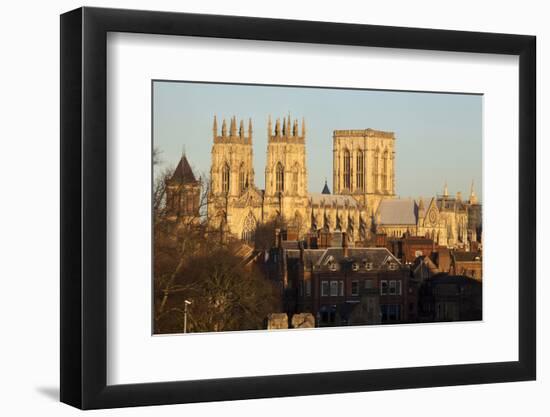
x=294, y=207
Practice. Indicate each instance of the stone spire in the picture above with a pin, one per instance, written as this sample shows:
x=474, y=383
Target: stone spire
x=445, y=190
x=278, y=127
x=250, y=128
x=295, y=128
x=288, y=126
x=241, y=129
x=224, y=128
x=285, y=129
x=473, y=197
x=233, y=128
x=304, y=127
x=269, y=127
x=421, y=209
x=215, y=127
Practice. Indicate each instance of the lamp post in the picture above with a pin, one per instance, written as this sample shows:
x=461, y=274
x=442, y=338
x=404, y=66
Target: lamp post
x=186, y=303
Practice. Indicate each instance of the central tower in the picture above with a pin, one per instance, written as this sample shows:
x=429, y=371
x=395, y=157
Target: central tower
x=363, y=165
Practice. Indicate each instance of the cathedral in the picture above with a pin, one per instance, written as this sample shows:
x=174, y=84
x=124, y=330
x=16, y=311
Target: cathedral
x=363, y=203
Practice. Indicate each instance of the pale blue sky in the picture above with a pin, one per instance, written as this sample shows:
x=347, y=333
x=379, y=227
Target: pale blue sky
x=438, y=136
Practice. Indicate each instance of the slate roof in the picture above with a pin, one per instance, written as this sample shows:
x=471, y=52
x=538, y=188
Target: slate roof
x=320, y=258
x=183, y=172
x=397, y=211
x=325, y=189
x=318, y=199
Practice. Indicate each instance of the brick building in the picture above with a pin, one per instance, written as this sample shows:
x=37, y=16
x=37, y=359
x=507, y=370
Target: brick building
x=343, y=285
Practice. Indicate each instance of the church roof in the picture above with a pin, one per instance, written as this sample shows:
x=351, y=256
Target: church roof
x=183, y=172
x=397, y=211
x=325, y=189
x=319, y=199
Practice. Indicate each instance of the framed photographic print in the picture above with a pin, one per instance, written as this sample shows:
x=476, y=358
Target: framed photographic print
x=256, y=208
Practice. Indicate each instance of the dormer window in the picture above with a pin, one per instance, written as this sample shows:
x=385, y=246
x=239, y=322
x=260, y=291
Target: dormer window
x=392, y=266
x=355, y=266
x=332, y=266
x=368, y=266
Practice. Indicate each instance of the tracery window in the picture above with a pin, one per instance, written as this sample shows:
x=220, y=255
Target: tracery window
x=360, y=171
x=280, y=178
x=225, y=178
x=347, y=170
x=385, y=171
x=242, y=178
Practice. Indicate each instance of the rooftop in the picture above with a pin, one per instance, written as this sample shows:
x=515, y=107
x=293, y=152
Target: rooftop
x=183, y=172
x=397, y=211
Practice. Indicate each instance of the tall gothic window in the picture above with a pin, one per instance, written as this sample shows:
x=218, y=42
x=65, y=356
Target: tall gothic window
x=375, y=169
x=347, y=171
x=225, y=178
x=295, y=179
x=360, y=170
x=385, y=171
x=280, y=178
x=249, y=228
x=242, y=178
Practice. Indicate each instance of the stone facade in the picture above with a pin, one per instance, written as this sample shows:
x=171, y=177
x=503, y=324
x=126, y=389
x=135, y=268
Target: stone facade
x=364, y=188
x=363, y=165
x=444, y=219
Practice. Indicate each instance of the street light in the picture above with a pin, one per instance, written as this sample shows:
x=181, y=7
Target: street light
x=186, y=303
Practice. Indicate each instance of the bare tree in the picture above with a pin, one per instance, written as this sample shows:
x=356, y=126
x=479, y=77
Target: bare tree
x=192, y=262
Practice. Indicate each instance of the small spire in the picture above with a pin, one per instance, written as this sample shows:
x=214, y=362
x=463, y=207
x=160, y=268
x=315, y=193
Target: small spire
x=303, y=126
x=241, y=129
x=445, y=190
x=278, y=127
x=269, y=127
x=473, y=197
x=215, y=127
x=288, y=125
x=224, y=128
x=295, y=128
x=250, y=128
x=285, y=131
x=326, y=190
x=233, y=128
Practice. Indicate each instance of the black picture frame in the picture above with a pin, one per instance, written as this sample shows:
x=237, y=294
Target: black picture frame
x=84, y=207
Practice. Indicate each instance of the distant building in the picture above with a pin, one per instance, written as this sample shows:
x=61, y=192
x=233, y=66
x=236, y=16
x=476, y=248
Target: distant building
x=444, y=219
x=183, y=193
x=363, y=205
x=363, y=174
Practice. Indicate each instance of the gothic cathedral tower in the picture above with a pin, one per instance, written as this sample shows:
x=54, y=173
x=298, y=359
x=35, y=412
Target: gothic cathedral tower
x=363, y=165
x=231, y=172
x=286, y=192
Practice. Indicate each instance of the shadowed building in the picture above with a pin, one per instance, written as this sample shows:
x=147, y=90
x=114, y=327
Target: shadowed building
x=342, y=285
x=450, y=298
x=183, y=193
